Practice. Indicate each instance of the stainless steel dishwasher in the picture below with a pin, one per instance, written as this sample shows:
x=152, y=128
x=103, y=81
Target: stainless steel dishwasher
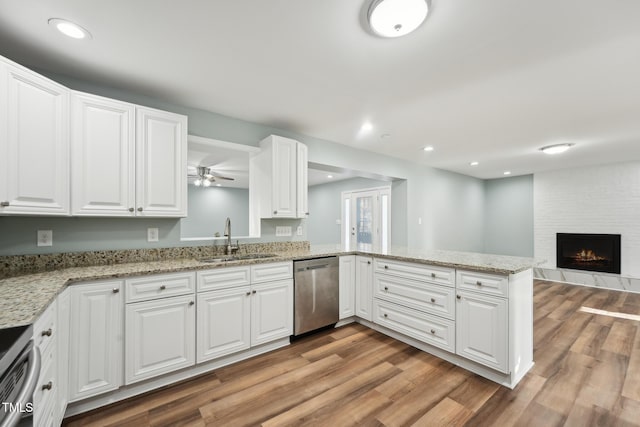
x=316, y=294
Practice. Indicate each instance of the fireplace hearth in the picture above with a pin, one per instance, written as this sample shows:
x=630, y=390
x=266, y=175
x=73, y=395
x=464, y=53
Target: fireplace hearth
x=590, y=252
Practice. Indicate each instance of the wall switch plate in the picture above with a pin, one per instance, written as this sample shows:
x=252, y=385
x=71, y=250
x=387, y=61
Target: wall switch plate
x=338, y=221
x=282, y=231
x=152, y=234
x=299, y=230
x=419, y=220
x=45, y=237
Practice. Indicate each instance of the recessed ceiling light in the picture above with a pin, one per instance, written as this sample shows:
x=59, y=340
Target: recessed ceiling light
x=395, y=18
x=69, y=28
x=506, y=173
x=329, y=176
x=428, y=148
x=474, y=163
x=218, y=185
x=556, y=148
x=366, y=127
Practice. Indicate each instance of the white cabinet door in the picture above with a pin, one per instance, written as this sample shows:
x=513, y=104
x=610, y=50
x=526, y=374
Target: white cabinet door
x=481, y=329
x=224, y=322
x=103, y=156
x=302, y=181
x=364, y=285
x=34, y=143
x=347, y=280
x=160, y=337
x=161, y=163
x=284, y=175
x=271, y=311
x=95, y=349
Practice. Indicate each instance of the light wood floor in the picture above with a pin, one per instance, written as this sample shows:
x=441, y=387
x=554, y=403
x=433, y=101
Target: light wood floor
x=587, y=372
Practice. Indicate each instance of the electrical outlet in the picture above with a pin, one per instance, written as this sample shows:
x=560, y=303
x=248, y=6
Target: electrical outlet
x=282, y=231
x=152, y=234
x=299, y=230
x=338, y=221
x=45, y=237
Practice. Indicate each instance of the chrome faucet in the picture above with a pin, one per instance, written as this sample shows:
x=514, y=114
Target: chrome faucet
x=230, y=249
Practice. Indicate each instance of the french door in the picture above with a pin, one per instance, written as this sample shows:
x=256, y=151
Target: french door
x=366, y=219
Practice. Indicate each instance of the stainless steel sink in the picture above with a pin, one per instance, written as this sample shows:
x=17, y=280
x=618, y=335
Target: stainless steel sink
x=238, y=257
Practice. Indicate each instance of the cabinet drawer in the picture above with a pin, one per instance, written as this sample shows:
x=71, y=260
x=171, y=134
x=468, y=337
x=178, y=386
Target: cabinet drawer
x=44, y=330
x=159, y=286
x=434, y=299
x=272, y=271
x=433, y=330
x=440, y=275
x=221, y=278
x=45, y=392
x=490, y=284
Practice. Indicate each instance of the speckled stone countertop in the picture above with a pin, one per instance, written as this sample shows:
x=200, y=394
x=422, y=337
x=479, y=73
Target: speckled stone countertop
x=24, y=298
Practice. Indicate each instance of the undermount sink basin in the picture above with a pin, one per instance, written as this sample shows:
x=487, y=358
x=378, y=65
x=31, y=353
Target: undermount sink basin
x=237, y=257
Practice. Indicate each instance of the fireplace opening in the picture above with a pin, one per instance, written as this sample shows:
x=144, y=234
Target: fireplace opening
x=590, y=252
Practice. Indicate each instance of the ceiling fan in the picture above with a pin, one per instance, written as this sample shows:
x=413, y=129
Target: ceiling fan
x=205, y=178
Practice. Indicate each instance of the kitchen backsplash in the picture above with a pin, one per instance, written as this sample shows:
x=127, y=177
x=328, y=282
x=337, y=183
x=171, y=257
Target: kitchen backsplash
x=15, y=265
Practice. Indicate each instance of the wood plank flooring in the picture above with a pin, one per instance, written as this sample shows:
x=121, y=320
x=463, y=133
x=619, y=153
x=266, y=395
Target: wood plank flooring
x=587, y=372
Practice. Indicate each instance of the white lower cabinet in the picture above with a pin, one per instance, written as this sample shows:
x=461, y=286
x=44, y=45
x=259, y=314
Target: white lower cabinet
x=224, y=322
x=45, y=395
x=160, y=337
x=347, y=283
x=64, y=314
x=271, y=311
x=95, y=340
x=482, y=329
x=364, y=284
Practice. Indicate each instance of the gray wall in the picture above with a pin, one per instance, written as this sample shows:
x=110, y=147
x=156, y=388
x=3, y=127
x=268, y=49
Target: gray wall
x=508, y=216
x=324, y=206
x=209, y=208
x=450, y=205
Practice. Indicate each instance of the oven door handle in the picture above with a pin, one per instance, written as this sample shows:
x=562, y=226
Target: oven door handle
x=28, y=386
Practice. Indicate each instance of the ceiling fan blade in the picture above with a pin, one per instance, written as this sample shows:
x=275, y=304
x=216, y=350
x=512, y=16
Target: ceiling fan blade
x=223, y=177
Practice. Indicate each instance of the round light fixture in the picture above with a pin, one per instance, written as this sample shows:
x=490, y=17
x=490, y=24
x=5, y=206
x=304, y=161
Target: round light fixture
x=206, y=183
x=218, y=185
x=474, y=164
x=506, y=173
x=428, y=148
x=395, y=18
x=556, y=148
x=197, y=182
x=69, y=28
x=366, y=127
x=329, y=176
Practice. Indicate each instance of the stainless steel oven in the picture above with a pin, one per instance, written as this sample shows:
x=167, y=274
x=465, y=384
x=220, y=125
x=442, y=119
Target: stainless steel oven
x=19, y=370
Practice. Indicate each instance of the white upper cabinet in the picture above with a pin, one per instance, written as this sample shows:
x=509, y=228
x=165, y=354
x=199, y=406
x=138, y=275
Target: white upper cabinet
x=161, y=163
x=103, y=150
x=127, y=160
x=280, y=184
x=34, y=143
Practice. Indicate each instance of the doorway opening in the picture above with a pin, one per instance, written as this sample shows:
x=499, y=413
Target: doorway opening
x=366, y=219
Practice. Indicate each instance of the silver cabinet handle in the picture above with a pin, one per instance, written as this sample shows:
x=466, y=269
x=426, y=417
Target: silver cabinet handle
x=4, y=204
x=433, y=331
x=131, y=209
x=458, y=296
x=47, y=333
x=163, y=287
x=253, y=292
x=248, y=293
x=433, y=300
x=191, y=302
x=140, y=209
x=433, y=275
x=47, y=386
x=115, y=290
x=479, y=283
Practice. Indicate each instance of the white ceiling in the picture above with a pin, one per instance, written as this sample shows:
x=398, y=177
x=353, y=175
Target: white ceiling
x=490, y=81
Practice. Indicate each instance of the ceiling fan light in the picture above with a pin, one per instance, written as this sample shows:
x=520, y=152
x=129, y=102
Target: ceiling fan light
x=206, y=183
x=395, y=18
x=197, y=182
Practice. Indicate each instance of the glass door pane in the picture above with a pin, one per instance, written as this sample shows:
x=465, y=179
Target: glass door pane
x=364, y=227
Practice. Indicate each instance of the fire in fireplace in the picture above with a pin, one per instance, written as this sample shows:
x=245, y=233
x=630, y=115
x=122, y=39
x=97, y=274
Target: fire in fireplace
x=591, y=252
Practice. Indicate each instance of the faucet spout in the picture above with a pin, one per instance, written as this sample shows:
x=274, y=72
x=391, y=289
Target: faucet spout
x=230, y=249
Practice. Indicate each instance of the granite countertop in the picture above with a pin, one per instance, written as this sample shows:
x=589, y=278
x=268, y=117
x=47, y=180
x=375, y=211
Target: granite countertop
x=24, y=298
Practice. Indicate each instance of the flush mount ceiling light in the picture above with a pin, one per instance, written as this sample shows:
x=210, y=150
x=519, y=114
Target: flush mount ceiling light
x=428, y=148
x=556, y=148
x=69, y=28
x=395, y=18
x=474, y=164
x=366, y=127
x=506, y=173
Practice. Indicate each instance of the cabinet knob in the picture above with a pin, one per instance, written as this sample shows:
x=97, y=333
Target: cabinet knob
x=385, y=315
x=306, y=213
x=386, y=267
x=140, y=209
x=458, y=296
x=433, y=331
x=275, y=212
x=4, y=204
x=433, y=275
x=248, y=293
x=433, y=300
x=131, y=209
x=479, y=283
x=253, y=292
x=116, y=290
x=368, y=262
x=163, y=287
x=47, y=333
x=192, y=302
x=386, y=288
x=48, y=386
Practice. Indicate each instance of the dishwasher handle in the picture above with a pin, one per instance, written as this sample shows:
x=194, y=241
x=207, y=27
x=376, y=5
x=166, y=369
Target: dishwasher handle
x=316, y=267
